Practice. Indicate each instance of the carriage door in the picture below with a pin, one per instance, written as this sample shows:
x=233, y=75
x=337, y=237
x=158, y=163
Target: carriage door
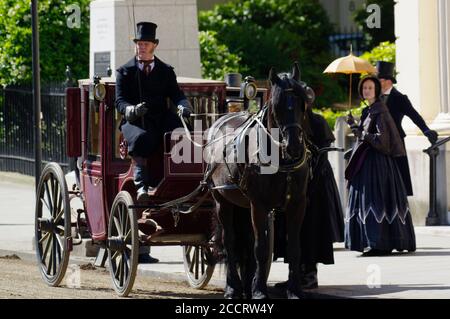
x=92, y=176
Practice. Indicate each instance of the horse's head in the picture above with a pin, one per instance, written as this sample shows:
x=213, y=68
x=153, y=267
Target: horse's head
x=288, y=106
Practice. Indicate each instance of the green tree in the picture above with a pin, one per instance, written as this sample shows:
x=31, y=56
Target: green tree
x=275, y=33
x=385, y=51
x=373, y=36
x=60, y=45
x=216, y=58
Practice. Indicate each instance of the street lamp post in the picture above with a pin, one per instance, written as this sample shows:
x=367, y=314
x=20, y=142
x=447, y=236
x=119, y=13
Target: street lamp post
x=36, y=91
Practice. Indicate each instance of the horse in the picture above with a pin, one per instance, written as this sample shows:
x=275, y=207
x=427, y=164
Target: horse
x=245, y=196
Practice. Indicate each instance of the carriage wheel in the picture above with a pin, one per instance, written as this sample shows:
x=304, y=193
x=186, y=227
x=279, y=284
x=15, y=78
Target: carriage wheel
x=198, y=265
x=123, y=245
x=270, y=235
x=53, y=239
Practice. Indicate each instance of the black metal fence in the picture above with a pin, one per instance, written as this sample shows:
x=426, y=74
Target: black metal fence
x=340, y=43
x=17, y=127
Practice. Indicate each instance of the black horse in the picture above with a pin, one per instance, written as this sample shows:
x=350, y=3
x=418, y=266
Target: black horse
x=242, y=185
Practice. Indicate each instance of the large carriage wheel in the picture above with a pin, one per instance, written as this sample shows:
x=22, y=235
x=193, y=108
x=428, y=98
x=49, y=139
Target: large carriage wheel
x=52, y=225
x=198, y=264
x=123, y=245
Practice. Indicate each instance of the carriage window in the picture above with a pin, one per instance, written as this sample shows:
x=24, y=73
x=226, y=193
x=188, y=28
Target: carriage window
x=93, y=130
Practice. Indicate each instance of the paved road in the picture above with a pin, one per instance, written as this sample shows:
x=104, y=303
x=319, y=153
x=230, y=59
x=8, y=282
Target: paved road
x=424, y=274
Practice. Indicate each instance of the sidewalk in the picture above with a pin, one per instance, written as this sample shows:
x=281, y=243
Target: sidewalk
x=424, y=274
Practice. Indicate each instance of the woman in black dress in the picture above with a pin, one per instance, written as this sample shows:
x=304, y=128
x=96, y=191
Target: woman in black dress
x=378, y=218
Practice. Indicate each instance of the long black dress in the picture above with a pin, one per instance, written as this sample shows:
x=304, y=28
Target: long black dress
x=377, y=214
x=323, y=223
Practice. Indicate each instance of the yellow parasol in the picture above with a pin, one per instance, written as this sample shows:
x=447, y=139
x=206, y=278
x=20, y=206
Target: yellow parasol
x=350, y=64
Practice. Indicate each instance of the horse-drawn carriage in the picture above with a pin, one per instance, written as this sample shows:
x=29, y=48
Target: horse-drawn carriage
x=104, y=183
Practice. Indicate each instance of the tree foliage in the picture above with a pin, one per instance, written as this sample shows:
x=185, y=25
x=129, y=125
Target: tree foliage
x=385, y=51
x=216, y=58
x=60, y=45
x=275, y=33
x=373, y=36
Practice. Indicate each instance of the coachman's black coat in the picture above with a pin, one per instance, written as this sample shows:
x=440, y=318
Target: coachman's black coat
x=144, y=135
x=399, y=105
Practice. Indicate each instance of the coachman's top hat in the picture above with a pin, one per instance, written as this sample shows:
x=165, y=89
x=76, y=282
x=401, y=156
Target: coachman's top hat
x=386, y=71
x=146, y=31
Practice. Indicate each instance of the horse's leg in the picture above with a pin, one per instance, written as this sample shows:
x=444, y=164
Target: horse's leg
x=233, y=287
x=245, y=246
x=260, y=222
x=294, y=219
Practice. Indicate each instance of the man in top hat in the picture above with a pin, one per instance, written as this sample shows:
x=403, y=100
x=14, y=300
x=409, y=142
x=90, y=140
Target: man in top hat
x=399, y=105
x=143, y=86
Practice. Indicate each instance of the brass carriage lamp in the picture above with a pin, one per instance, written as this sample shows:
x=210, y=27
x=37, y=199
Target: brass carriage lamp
x=248, y=90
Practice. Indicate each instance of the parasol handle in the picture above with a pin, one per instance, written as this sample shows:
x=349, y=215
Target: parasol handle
x=350, y=93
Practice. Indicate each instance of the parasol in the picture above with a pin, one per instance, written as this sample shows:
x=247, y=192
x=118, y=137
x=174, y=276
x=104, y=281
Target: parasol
x=350, y=64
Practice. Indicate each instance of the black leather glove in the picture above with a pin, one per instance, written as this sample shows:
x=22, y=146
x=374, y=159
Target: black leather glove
x=348, y=154
x=184, y=111
x=133, y=112
x=431, y=135
x=356, y=131
x=350, y=119
x=184, y=108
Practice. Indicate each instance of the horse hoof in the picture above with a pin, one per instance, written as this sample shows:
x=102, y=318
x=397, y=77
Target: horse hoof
x=260, y=295
x=232, y=294
x=294, y=295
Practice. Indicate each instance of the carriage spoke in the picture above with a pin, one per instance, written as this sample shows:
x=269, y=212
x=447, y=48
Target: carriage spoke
x=59, y=208
x=197, y=261
x=58, y=200
x=191, y=269
x=54, y=254
x=47, y=191
x=122, y=270
x=44, y=238
x=127, y=237
x=46, y=204
x=126, y=262
x=53, y=184
x=47, y=246
x=125, y=224
x=117, y=224
x=58, y=250
x=60, y=243
x=115, y=255
x=117, y=271
x=50, y=258
x=202, y=260
x=120, y=218
x=60, y=213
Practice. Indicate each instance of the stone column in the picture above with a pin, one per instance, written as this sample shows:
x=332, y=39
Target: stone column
x=422, y=59
x=112, y=31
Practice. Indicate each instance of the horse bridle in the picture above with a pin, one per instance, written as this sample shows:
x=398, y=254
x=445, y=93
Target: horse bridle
x=298, y=163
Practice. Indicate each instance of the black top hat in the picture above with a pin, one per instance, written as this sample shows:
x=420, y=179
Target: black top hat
x=386, y=71
x=146, y=31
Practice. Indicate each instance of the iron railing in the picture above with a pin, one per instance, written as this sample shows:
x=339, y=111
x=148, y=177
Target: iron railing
x=16, y=128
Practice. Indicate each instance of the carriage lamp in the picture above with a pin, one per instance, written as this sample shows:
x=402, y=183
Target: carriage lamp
x=99, y=91
x=249, y=88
